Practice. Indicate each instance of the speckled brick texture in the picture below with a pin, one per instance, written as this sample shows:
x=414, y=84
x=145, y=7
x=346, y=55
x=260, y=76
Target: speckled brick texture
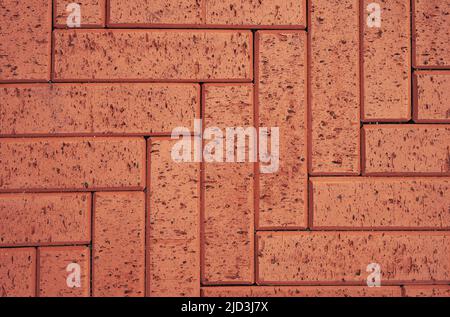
x=95, y=201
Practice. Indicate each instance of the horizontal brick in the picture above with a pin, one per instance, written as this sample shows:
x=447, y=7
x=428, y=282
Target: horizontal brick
x=92, y=12
x=301, y=291
x=53, y=271
x=228, y=215
x=72, y=163
x=18, y=272
x=119, y=244
x=431, y=33
x=156, y=12
x=427, y=290
x=406, y=149
x=387, y=203
x=343, y=257
x=173, y=255
x=269, y=13
x=74, y=109
x=281, y=102
x=29, y=219
x=387, y=63
x=25, y=35
x=431, y=96
x=334, y=87
x=153, y=55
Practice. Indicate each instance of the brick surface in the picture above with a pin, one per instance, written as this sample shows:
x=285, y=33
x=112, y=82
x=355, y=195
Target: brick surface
x=431, y=33
x=174, y=224
x=29, y=219
x=293, y=257
x=72, y=163
x=79, y=109
x=93, y=12
x=387, y=63
x=335, y=91
x=385, y=203
x=53, y=271
x=228, y=224
x=427, y=290
x=25, y=37
x=18, y=272
x=119, y=244
x=407, y=149
x=432, y=93
x=164, y=55
x=281, y=102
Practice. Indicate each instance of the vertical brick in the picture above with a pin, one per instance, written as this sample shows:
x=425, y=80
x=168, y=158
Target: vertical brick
x=431, y=34
x=335, y=87
x=18, y=272
x=406, y=150
x=228, y=216
x=427, y=290
x=174, y=223
x=93, y=12
x=45, y=219
x=431, y=96
x=281, y=102
x=25, y=34
x=387, y=63
x=53, y=271
x=119, y=244
x=342, y=257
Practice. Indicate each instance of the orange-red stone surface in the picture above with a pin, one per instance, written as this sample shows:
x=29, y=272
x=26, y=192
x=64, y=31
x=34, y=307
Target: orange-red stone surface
x=432, y=95
x=92, y=12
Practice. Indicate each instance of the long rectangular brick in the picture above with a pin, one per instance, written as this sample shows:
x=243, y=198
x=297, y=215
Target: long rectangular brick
x=386, y=62
x=427, y=290
x=281, y=102
x=83, y=109
x=56, y=267
x=173, y=255
x=18, y=272
x=406, y=150
x=343, y=257
x=228, y=188
x=384, y=203
x=301, y=291
x=92, y=12
x=25, y=34
x=153, y=55
x=72, y=163
x=257, y=14
x=431, y=96
x=29, y=219
x=334, y=87
x=119, y=244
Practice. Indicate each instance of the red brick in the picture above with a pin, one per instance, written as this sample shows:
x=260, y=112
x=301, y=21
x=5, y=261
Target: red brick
x=25, y=34
x=260, y=14
x=431, y=96
x=156, y=12
x=29, y=219
x=119, y=244
x=301, y=291
x=387, y=63
x=406, y=149
x=75, y=109
x=335, y=87
x=174, y=224
x=281, y=101
x=18, y=272
x=92, y=12
x=53, y=274
x=342, y=257
x=72, y=163
x=228, y=216
x=427, y=290
x=153, y=55
x=385, y=203
x=431, y=33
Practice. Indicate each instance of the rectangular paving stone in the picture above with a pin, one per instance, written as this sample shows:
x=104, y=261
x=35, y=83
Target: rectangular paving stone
x=92, y=13
x=153, y=55
x=427, y=290
x=18, y=272
x=281, y=102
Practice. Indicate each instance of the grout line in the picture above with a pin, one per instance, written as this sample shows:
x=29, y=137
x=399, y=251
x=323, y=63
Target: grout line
x=256, y=174
x=91, y=248
x=37, y=272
